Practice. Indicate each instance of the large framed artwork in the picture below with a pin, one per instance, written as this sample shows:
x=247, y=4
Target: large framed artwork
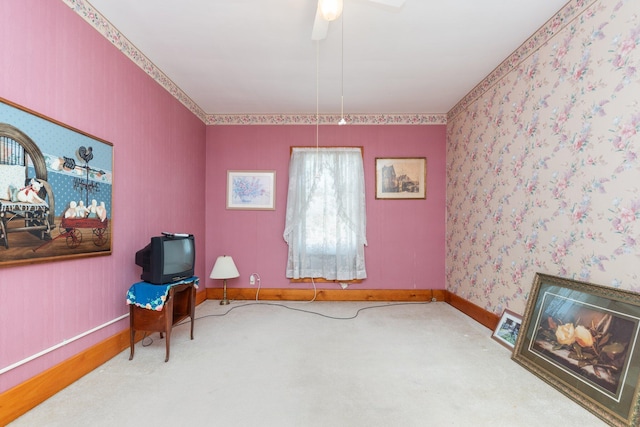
x=56, y=189
x=401, y=178
x=254, y=190
x=582, y=339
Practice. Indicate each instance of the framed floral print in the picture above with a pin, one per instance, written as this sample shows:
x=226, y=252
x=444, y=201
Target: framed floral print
x=251, y=190
x=582, y=339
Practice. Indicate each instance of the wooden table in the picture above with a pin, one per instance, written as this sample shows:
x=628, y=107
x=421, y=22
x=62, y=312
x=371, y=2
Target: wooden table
x=179, y=303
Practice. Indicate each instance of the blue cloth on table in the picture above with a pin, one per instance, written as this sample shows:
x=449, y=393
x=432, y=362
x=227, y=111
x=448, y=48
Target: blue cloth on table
x=150, y=296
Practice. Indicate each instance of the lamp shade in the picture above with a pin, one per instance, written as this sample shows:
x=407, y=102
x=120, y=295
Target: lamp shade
x=330, y=9
x=224, y=268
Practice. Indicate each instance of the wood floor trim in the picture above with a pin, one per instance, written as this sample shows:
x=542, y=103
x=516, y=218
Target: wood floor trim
x=477, y=313
x=24, y=397
x=29, y=394
x=329, y=294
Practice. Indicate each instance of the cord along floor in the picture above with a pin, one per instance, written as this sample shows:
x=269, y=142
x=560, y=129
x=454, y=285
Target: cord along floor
x=315, y=364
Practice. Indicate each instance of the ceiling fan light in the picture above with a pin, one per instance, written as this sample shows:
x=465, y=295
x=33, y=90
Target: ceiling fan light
x=330, y=9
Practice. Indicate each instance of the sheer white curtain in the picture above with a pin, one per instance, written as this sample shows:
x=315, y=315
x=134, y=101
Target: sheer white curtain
x=325, y=225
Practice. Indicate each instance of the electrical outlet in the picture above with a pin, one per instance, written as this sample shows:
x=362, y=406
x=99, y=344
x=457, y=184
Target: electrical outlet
x=252, y=279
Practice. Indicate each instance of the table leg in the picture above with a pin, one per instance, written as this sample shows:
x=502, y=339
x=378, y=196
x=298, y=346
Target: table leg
x=132, y=333
x=168, y=307
x=192, y=306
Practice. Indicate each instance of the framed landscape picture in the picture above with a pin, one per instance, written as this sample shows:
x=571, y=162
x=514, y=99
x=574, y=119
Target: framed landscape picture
x=582, y=339
x=506, y=333
x=251, y=190
x=401, y=178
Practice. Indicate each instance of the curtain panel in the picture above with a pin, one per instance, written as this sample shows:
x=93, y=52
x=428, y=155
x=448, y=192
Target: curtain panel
x=325, y=225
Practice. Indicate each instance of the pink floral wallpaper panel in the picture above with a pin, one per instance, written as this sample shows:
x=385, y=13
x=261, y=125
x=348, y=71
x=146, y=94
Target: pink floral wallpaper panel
x=543, y=172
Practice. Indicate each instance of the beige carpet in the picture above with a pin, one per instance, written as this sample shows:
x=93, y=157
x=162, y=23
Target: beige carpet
x=266, y=365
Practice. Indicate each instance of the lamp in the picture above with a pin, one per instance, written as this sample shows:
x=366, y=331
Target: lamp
x=224, y=268
x=330, y=9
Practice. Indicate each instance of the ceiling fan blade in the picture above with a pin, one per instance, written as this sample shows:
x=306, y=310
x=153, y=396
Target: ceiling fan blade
x=392, y=3
x=320, y=27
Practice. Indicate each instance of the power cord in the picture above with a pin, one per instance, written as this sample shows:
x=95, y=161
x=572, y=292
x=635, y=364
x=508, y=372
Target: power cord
x=257, y=277
x=315, y=290
x=275, y=304
x=148, y=342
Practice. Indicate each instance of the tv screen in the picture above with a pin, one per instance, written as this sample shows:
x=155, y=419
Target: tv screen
x=168, y=258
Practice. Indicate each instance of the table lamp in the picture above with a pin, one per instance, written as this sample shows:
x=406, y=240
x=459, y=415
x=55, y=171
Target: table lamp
x=224, y=268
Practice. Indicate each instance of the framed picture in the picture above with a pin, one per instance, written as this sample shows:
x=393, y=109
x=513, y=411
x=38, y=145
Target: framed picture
x=56, y=187
x=251, y=190
x=506, y=332
x=401, y=178
x=583, y=340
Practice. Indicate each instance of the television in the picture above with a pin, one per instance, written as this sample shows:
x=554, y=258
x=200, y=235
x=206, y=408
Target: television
x=167, y=258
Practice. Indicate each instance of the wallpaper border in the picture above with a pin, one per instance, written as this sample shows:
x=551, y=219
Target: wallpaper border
x=310, y=119
x=560, y=20
x=107, y=30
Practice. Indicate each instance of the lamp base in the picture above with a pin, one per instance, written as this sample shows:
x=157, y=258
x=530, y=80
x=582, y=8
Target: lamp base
x=224, y=301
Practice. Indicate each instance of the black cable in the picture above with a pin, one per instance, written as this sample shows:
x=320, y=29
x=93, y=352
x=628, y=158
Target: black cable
x=149, y=342
x=273, y=304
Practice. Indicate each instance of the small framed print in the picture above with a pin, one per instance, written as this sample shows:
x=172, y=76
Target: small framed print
x=401, y=178
x=251, y=190
x=506, y=332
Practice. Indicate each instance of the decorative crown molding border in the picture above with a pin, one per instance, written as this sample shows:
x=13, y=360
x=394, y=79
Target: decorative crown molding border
x=310, y=119
x=559, y=21
x=569, y=12
x=108, y=31
x=104, y=27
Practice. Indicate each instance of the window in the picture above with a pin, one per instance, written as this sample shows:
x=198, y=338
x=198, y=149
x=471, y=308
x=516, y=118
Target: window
x=325, y=225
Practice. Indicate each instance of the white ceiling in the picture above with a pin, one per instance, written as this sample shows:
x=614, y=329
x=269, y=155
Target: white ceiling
x=257, y=56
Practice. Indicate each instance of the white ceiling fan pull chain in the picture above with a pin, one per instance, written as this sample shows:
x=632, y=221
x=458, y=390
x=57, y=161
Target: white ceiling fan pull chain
x=342, y=120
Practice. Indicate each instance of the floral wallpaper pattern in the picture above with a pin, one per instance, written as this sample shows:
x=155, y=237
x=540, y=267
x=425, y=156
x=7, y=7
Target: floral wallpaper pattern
x=326, y=119
x=542, y=165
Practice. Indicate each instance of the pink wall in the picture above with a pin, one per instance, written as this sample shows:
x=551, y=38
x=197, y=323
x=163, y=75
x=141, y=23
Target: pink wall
x=406, y=237
x=56, y=64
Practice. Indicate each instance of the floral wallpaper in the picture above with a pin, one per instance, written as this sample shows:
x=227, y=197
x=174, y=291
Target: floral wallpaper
x=326, y=119
x=543, y=172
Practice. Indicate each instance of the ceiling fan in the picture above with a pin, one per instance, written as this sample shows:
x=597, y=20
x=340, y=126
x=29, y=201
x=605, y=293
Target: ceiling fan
x=329, y=10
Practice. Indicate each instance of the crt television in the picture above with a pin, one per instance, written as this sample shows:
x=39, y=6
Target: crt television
x=167, y=258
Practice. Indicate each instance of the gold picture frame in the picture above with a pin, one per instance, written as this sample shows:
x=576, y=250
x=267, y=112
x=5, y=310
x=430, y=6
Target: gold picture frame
x=401, y=178
x=582, y=339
